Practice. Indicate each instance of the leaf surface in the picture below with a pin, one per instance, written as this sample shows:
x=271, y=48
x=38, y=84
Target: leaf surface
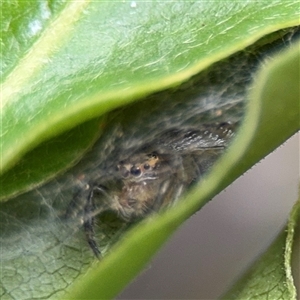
x=85, y=58
x=67, y=63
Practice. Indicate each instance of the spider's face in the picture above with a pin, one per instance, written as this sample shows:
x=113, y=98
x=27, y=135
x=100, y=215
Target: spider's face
x=140, y=167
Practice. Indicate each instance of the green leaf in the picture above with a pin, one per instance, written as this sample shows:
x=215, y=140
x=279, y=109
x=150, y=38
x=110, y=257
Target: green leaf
x=65, y=63
x=85, y=58
x=49, y=160
x=271, y=276
x=260, y=134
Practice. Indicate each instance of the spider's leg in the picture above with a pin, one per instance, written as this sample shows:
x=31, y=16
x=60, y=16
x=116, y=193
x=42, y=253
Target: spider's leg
x=169, y=192
x=204, y=160
x=88, y=224
x=75, y=207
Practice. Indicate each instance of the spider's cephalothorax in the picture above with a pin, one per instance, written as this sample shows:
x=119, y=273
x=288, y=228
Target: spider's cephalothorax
x=147, y=182
x=155, y=175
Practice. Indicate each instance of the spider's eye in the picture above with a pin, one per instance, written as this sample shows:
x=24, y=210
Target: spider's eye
x=120, y=165
x=146, y=166
x=135, y=171
x=153, y=155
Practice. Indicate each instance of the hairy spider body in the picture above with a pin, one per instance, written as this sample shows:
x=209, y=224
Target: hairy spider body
x=155, y=175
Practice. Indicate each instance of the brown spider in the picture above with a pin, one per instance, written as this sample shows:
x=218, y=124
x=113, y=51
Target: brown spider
x=155, y=175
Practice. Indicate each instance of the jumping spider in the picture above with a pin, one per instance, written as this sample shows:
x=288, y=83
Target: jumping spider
x=153, y=176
